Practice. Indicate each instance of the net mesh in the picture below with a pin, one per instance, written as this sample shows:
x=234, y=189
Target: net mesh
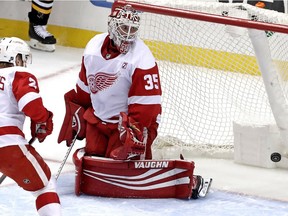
x=209, y=76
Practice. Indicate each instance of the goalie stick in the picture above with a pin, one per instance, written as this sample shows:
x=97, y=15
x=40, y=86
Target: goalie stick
x=3, y=177
x=66, y=157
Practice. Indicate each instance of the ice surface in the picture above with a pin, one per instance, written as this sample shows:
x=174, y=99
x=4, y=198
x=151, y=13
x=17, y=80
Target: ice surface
x=237, y=190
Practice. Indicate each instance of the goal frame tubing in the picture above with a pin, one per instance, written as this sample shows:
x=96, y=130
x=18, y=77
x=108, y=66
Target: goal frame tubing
x=203, y=16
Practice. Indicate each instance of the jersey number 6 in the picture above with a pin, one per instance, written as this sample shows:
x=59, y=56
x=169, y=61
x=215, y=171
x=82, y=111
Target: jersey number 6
x=2, y=79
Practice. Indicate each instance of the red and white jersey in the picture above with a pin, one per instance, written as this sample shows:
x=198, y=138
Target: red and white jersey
x=120, y=82
x=19, y=97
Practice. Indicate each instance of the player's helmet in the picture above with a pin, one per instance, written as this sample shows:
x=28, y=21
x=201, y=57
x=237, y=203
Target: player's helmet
x=123, y=26
x=10, y=47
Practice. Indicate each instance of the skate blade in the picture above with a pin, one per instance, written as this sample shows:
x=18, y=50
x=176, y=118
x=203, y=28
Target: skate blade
x=40, y=46
x=206, y=186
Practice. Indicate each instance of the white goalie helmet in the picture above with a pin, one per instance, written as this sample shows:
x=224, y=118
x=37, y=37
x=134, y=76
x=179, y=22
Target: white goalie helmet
x=10, y=47
x=123, y=27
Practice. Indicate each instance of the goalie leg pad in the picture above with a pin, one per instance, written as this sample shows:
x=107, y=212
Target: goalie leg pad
x=152, y=134
x=101, y=137
x=77, y=160
x=134, y=179
x=96, y=141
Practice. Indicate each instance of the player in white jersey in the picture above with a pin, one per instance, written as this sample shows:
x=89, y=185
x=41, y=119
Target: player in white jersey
x=117, y=108
x=19, y=97
x=118, y=82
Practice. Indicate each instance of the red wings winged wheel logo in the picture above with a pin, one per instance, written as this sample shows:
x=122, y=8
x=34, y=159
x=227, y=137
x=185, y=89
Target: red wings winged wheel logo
x=101, y=81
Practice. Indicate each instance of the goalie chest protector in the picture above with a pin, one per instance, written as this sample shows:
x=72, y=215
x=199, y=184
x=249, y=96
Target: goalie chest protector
x=132, y=178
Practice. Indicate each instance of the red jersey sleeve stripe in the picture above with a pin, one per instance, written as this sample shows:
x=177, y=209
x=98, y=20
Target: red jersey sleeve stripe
x=27, y=98
x=36, y=110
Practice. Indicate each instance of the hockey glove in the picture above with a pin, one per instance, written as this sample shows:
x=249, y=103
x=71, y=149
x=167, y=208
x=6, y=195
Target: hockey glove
x=132, y=136
x=74, y=124
x=41, y=130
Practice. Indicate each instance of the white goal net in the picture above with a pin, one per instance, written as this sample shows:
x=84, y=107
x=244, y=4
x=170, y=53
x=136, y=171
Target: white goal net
x=209, y=71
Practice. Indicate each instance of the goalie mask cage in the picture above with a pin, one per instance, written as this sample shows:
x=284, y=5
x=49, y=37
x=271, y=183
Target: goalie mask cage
x=210, y=72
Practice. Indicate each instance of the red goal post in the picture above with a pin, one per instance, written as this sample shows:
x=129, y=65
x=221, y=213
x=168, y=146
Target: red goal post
x=211, y=57
x=169, y=11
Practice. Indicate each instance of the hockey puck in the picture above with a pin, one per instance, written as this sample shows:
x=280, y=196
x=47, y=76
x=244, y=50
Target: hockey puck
x=275, y=157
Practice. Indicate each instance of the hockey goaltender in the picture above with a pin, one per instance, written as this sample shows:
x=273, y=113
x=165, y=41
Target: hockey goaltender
x=116, y=107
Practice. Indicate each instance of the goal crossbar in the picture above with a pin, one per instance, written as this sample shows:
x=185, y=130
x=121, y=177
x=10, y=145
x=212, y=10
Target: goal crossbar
x=281, y=28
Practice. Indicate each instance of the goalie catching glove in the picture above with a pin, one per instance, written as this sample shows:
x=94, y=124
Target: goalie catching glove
x=74, y=125
x=41, y=130
x=133, y=136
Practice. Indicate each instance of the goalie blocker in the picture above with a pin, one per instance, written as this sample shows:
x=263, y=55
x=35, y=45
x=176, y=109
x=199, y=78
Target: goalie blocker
x=137, y=178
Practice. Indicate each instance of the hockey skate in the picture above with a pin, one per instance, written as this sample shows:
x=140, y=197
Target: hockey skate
x=41, y=39
x=202, y=187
